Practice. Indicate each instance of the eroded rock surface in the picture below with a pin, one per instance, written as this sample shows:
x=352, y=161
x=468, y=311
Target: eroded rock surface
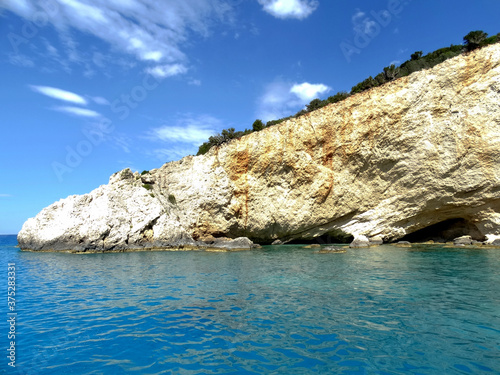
x=384, y=163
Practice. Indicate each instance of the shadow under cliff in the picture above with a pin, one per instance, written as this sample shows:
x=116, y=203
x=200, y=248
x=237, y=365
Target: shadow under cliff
x=445, y=231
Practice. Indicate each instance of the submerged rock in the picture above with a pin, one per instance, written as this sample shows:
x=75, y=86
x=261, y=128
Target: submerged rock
x=403, y=244
x=377, y=240
x=387, y=162
x=359, y=242
x=464, y=240
x=496, y=243
x=227, y=244
x=332, y=250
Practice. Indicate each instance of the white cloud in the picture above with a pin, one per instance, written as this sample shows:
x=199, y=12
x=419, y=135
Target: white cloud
x=172, y=153
x=164, y=71
x=188, y=129
x=362, y=24
x=299, y=9
x=59, y=94
x=77, y=111
x=122, y=142
x=195, y=82
x=100, y=100
x=21, y=7
x=5, y=195
x=307, y=91
x=51, y=50
x=154, y=32
x=281, y=99
x=21, y=60
x=183, y=136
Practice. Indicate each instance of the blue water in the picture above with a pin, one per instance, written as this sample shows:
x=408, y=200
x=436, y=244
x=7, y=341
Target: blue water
x=279, y=310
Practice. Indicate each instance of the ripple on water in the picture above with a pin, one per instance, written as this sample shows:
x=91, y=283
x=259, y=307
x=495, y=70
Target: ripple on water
x=284, y=311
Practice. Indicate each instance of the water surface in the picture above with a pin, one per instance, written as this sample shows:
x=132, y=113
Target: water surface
x=279, y=310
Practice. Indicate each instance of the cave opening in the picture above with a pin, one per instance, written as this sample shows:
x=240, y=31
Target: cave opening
x=445, y=231
x=332, y=237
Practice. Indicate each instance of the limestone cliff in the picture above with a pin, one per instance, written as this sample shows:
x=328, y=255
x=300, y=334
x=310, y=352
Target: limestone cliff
x=387, y=162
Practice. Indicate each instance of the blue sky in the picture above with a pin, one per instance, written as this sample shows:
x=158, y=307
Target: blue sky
x=90, y=87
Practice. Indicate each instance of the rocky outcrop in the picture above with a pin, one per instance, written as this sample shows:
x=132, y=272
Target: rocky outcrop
x=385, y=163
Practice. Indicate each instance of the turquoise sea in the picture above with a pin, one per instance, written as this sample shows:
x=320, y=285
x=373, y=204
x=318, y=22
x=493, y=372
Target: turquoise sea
x=277, y=310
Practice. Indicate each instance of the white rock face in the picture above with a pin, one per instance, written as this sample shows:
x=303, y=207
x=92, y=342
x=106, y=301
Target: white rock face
x=116, y=216
x=384, y=163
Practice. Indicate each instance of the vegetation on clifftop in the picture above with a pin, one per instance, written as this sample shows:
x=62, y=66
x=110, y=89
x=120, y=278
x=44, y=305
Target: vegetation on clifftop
x=417, y=62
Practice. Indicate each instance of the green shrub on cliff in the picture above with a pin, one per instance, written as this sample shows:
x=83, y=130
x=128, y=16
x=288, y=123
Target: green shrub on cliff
x=416, y=56
x=475, y=39
x=204, y=148
x=314, y=105
x=338, y=97
x=276, y=122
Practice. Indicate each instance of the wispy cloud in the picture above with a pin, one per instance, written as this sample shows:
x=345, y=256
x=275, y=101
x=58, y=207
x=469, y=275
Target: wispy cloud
x=59, y=94
x=172, y=153
x=188, y=129
x=164, y=71
x=50, y=49
x=281, y=99
x=77, y=111
x=5, y=195
x=71, y=97
x=21, y=60
x=182, y=136
x=298, y=9
x=363, y=24
x=195, y=82
x=154, y=32
x=122, y=142
x=100, y=100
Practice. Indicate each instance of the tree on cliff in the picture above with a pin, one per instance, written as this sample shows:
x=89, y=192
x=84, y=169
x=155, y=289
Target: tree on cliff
x=257, y=125
x=338, y=97
x=416, y=56
x=475, y=39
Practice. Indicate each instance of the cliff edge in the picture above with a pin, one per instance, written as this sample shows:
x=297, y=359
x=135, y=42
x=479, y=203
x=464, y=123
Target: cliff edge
x=420, y=151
